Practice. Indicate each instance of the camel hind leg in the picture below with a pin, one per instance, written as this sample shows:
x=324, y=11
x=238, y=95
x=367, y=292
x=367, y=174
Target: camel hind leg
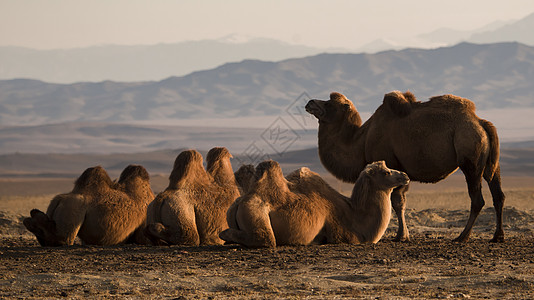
x=398, y=202
x=177, y=228
x=42, y=227
x=497, y=194
x=473, y=177
x=252, y=226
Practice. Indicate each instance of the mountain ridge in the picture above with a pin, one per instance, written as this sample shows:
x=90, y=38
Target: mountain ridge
x=492, y=75
x=133, y=63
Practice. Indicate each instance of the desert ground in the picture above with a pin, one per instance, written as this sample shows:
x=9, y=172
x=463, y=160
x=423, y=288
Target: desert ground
x=428, y=266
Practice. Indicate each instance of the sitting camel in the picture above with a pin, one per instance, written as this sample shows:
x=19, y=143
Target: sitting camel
x=427, y=140
x=192, y=209
x=97, y=210
x=303, y=209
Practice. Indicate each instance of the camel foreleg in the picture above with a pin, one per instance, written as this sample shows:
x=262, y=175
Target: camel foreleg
x=398, y=202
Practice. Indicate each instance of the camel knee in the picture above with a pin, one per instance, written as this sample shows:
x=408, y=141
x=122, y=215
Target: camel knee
x=398, y=200
x=477, y=204
x=249, y=240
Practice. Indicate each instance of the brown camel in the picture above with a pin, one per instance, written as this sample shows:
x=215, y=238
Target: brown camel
x=192, y=210
x=427, y=140
x=303, y=209
x=97, y=210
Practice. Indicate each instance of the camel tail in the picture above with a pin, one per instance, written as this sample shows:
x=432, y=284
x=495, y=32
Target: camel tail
x=492, y=163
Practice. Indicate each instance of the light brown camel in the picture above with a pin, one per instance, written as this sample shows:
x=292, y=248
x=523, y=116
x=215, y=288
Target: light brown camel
x=427, y=140
x=303, y=209
x=192, y=210
x=97, y=210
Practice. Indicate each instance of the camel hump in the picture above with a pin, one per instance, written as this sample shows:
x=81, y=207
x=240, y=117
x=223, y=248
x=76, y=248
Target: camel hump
x=299, y=174
x=269, y=173
x=217, y=153
x=453, y=102
x=134, y=171
x=92, y=178
x=188, y=168
x=245, y=177
x=267, y=166
x=400, y=103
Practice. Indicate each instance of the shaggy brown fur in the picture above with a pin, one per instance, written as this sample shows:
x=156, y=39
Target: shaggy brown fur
x=399, y=103
x=97, y=210
x=428, y=141
x=245, y=178
x=303, y=209
x=192, y=210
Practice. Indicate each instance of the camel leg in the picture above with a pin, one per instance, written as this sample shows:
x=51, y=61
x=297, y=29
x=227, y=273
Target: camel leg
x=398, y=202
x=474, y=186
x=498, y=203
x=157, y=233
x=254, y=227
x=184, y=233
x=42, y=227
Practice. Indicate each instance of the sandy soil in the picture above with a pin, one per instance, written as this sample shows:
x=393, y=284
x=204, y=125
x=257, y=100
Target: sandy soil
x=428, y=266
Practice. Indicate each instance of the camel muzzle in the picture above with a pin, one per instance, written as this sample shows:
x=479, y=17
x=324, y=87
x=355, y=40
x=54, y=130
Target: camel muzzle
x=404, y=179
x=315, y=109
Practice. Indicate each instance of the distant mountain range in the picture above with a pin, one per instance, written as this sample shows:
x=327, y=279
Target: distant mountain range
x=493, y=76
x=141, y=63
x=157, y=62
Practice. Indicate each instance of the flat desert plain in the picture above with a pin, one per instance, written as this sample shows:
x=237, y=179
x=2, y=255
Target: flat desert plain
x=428, y=266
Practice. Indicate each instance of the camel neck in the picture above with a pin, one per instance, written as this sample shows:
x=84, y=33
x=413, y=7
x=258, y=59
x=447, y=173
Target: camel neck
x=341, y=149
x=373, y=219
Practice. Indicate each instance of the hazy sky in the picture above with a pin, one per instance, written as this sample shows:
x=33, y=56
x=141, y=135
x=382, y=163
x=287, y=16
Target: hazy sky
x=46, y=24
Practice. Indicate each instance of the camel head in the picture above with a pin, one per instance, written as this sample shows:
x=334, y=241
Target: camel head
x=338, y=108
x=92, y=178
x=383, y=177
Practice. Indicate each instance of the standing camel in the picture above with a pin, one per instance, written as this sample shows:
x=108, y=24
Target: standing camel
x=303, y=209
x=427, y=140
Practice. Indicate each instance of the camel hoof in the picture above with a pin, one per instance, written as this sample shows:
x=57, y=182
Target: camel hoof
x=460, y=239
x=497, y=239
x=401, y=239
